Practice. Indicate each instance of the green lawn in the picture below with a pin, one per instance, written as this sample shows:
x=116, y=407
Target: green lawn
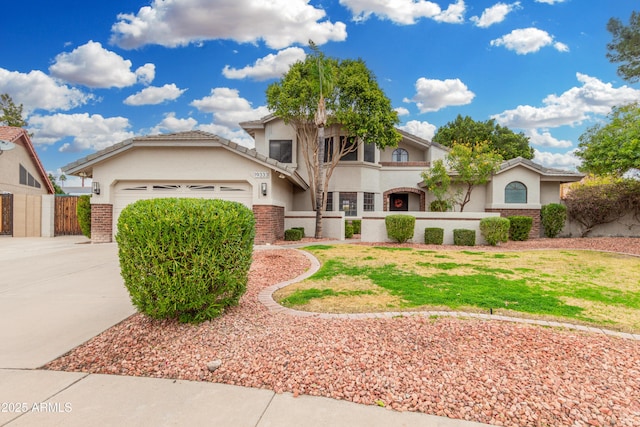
x=581, y=286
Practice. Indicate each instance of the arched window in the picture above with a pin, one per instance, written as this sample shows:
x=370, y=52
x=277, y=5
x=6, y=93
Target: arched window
x=400, y=155
x=515, y=192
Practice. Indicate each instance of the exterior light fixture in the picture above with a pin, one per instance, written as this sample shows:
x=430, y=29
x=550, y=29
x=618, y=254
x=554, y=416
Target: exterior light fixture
x=95, y=187
x=263, y=188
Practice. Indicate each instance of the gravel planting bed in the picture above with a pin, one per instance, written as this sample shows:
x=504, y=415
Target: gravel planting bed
x=493, y=372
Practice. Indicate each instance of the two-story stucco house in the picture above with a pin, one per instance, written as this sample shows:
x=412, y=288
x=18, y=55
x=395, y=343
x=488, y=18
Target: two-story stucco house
x=272, y=178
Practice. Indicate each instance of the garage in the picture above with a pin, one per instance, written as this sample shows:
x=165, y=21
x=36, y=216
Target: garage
x=130, y=191
x=192, y=164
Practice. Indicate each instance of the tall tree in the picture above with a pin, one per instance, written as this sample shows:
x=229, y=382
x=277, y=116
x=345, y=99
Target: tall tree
x=500, y=139
x=354, y=102
x=470, y=168
x=613, y=148
x=625, y=46
x=57, y=189
x=11, y=113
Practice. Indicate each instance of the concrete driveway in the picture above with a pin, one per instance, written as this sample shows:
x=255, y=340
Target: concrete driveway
x=55, y=294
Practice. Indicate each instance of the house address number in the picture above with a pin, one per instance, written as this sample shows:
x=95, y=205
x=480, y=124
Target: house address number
x=261, y=174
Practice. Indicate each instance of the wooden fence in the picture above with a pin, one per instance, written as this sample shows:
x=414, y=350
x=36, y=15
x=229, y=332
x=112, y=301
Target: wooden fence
x=66, y=219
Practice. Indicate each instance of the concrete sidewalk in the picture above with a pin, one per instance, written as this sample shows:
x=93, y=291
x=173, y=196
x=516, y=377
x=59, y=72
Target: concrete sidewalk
x=56, y=293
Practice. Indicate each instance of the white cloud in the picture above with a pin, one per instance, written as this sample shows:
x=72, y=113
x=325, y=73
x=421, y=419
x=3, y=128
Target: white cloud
x=405, y=12
x=236, y=135
x=35, y=90
x=402, y=111
x=566, y=161
x=87, y=132
x=571, y=107
x=93, y=66
x=171, y=124
x=494, y=14
x=528, y=40
x=269, y=67
x=155, y=95
x=280, y=23
x=423, y=130
x=546, y=139
x=433, y=95
x=228, y=107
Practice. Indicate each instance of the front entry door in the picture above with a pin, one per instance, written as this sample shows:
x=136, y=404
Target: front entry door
x=399, y=202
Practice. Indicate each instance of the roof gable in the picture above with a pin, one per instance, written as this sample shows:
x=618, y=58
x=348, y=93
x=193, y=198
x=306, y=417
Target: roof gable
x=194, y=138
x=21, y=137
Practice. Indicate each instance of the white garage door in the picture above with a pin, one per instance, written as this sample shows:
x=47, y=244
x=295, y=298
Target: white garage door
x=129, y=192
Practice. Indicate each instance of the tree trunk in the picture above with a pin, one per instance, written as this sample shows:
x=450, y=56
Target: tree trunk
x=319, y=186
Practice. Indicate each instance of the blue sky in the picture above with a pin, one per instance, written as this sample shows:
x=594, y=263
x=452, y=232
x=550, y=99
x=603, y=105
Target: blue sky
x=92, y=74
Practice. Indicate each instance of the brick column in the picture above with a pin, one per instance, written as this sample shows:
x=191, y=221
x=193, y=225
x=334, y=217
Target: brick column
x=101, y=223
x=269, y=223
x=533, y=213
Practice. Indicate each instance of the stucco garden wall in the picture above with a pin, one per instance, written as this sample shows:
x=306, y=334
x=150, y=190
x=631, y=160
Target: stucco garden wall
x=374, y=229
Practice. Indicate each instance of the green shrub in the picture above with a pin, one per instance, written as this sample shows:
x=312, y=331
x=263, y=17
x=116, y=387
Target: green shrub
x=433, y=236
x=348, y=230
x=494, y=229
x=185, y=258
x=357, y=226
x=83, y=212
x=400, y=227
x=520, y=228
x=553, y=216
x=463, y=237
x=440, y=206
x=293, y=234
x=299, y=228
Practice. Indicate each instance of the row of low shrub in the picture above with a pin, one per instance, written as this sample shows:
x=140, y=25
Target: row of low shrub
x=494, y=229
x=499, y=229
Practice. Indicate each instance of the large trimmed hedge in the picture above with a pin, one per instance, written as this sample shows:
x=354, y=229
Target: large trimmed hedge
x=185, y=258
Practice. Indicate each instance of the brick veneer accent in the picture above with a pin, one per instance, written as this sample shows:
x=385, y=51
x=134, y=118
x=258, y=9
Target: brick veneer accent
x=386, y=194
x=269, y=223
x=533, y=213
x=101, y=223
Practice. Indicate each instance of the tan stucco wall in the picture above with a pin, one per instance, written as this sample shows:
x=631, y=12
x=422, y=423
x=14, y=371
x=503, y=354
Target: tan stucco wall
x=10, y=172
x=186, y=164
x=521, y=174
x=415, y=154
x=549, y=192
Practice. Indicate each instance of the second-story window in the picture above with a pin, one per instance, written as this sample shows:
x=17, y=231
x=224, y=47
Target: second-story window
x=281, y=150
x=370, y=152
x=349, y=144
x=400, y=155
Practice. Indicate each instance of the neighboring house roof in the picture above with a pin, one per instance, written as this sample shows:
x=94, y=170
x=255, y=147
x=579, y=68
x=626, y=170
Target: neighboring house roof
x=194, y=138
x=549, y=173
x=20, y=136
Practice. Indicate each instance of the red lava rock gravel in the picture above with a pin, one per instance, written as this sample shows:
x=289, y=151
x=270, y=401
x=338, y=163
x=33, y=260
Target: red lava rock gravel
x=486, y=371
